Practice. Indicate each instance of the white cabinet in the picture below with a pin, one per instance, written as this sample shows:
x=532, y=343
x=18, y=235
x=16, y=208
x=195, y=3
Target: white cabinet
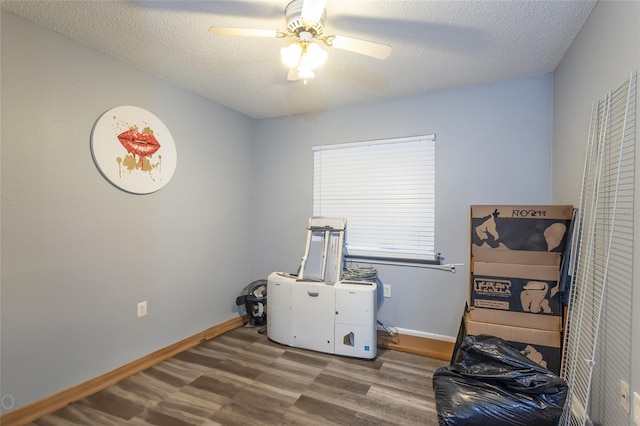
x=313, y=313
x=355, y=319
x=332, y=318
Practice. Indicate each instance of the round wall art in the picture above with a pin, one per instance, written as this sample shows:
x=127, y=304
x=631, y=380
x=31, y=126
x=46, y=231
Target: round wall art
x=133, y=149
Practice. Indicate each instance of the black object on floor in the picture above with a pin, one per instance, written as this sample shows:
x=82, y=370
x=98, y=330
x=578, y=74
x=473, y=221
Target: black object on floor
x=496, y=385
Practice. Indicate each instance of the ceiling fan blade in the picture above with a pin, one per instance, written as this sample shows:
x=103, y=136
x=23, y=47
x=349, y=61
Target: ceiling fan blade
x=312, y=10
x=363, y=47
x=243, y=32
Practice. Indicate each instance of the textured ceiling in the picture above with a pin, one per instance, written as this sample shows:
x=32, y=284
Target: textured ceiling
x=437, y=45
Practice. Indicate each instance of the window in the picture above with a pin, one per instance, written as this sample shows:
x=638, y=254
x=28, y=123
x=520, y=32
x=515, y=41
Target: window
x=386, y=191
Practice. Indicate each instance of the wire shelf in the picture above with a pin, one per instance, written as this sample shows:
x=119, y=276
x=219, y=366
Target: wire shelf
x=597, y=347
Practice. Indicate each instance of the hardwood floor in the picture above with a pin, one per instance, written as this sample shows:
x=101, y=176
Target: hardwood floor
x=242, y=378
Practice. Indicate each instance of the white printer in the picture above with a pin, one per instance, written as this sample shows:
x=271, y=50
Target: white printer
x=317, y=310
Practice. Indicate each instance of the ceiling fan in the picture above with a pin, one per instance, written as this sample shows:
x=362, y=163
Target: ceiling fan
x=305, y=22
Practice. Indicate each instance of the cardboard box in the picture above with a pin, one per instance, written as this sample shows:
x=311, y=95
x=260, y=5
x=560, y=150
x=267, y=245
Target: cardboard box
x=542, y=346
x=516, y=319
x=517, y=288
x=519, y=228
x=521, y=295
x=519, y=257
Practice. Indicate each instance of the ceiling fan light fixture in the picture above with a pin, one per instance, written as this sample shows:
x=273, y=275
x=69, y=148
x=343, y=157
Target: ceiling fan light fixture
x=291, y=55
x=303, y=56
x=314, y=55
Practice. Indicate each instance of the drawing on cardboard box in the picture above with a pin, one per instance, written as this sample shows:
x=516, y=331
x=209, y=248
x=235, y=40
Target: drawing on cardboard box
x=534, y=297
x=533, y=354
x=537, y=297
x=515, y=234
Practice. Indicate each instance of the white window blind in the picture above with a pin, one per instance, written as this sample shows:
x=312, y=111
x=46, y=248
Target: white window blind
x=386, y=191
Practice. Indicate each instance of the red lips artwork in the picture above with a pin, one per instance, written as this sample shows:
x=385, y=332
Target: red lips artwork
x=143, y=144
x=133, y=149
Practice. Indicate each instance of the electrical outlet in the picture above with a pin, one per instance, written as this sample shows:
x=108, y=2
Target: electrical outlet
x=142, y=309
x=636, y=408
x=386, y=290
x=624, y=395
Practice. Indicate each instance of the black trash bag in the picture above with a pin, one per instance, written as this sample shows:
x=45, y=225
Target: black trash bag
x=495, y=384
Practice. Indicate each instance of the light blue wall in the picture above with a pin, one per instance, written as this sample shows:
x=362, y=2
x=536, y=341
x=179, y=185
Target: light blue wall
x=79, y=254
x=493, y=147
x=600, y=59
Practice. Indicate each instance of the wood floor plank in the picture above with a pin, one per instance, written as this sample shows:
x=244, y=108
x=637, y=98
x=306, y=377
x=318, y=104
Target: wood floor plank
x=296, y=367
x=341, y=398
x=190, y=404
x=111, y=401
x=285, y=380
x=194, y=357
x=242, y=378
x=218, y=385
x=322, y=411
x=239, y=368
x=160, y=416
x=335, y=382
x=182, y=370
x=387, y=406
x=198, y=396
x=308, y=359
x=241, y=415
x=80, y=415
